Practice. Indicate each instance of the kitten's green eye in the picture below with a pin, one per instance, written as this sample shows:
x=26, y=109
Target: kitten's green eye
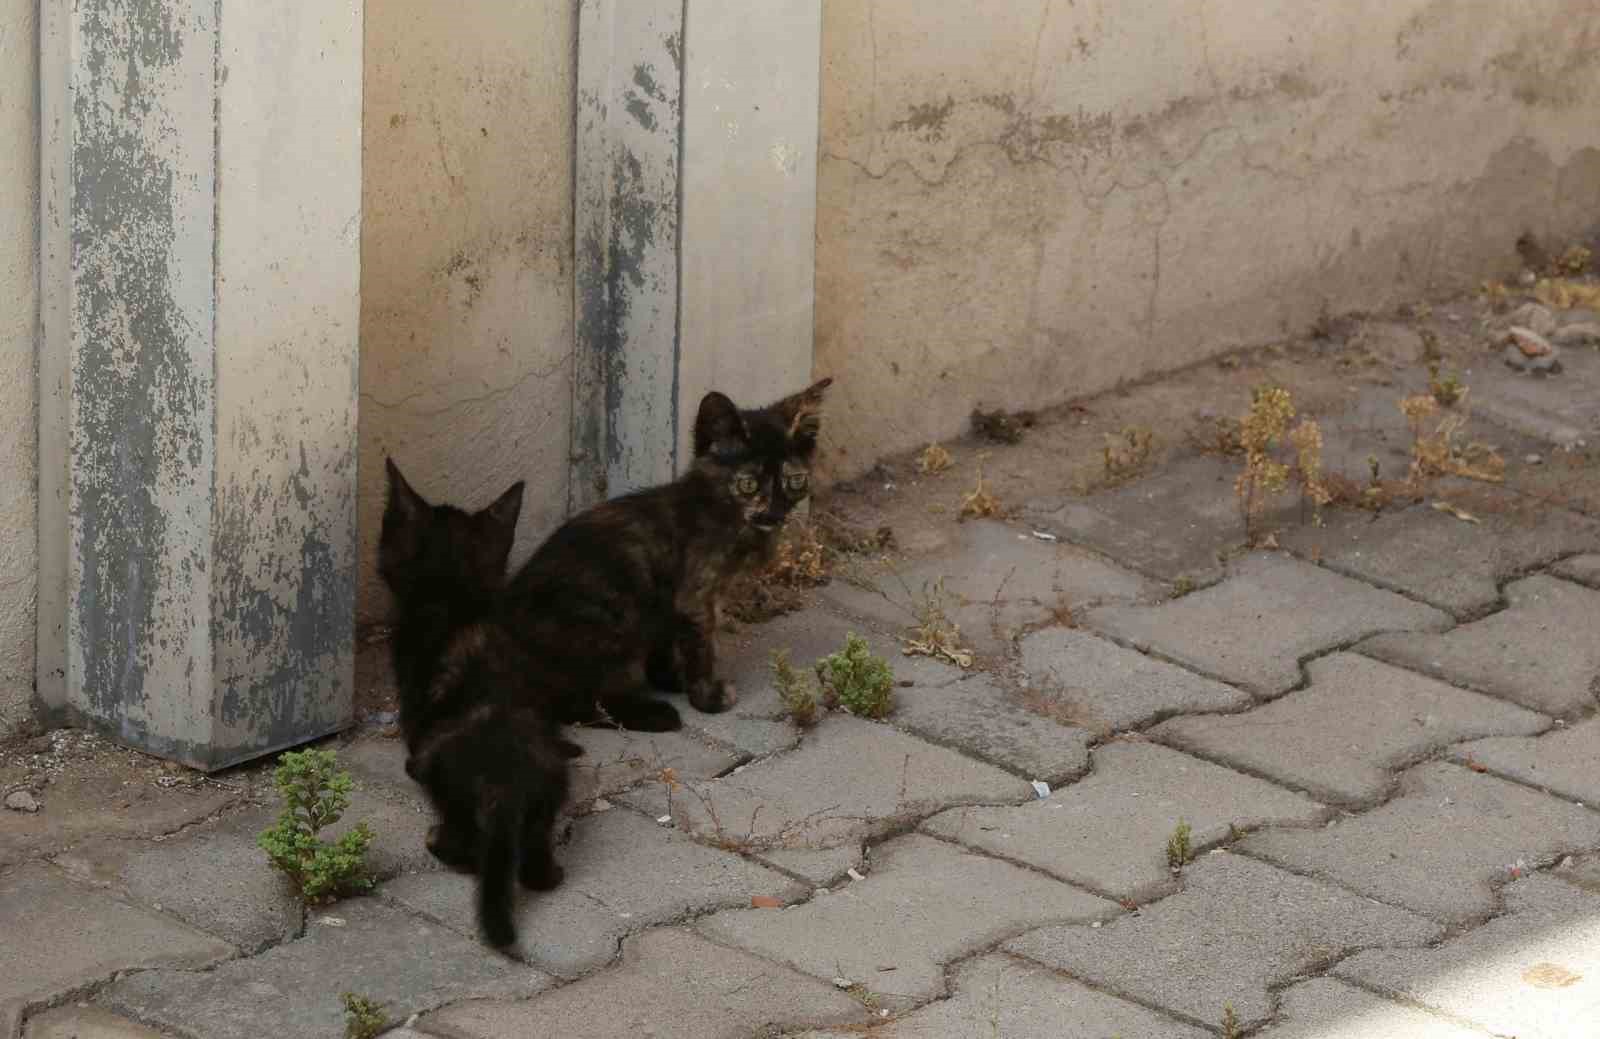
x=746, y=485
x=795, y=481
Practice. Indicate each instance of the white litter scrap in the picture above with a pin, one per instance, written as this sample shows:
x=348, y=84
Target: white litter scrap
x=1041, y=788
x=663, y=819
x=843, y=983
x=855, y=874
x=1045, y=536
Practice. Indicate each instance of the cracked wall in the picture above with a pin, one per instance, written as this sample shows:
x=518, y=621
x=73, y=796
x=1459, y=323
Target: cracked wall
x=1062, y=195
x=466, y=282
x=19, y=212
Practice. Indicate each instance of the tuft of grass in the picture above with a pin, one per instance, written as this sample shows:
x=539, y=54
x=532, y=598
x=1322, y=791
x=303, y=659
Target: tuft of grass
x=1261, y=429
x=1447, y=389
x=856, y=679
x=1434, y=450
x=363, y=1018
x=315, y=794
x=934, y=459
x=1126, y=453
x=1575, y=260
x=935, y=634
x=1230, y=1022
x=798, y=691
x=1180, y=850
x=979, y=502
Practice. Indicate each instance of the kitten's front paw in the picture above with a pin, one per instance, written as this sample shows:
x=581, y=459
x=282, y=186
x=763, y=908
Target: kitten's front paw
x=714, y=697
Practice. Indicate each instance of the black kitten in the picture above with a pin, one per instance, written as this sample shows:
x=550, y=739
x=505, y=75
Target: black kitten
x=628, y=592
x=479, y=738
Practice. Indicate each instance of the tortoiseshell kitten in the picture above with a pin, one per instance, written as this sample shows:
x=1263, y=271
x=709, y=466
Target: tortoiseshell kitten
x=627, y=593
x=480, y=738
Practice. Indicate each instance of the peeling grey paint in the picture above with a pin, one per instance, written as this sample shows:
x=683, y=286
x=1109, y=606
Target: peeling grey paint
x=626, y=229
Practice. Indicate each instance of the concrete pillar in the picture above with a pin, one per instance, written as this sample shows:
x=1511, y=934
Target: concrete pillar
x=695, y=222
x=201, y=240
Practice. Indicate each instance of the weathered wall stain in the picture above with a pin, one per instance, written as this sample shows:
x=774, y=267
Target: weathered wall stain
x=144, y=391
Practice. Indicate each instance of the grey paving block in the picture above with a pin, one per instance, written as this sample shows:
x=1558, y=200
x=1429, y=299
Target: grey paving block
x=1539, y=652
x=106, y=803
x=1176, y=523
x=377, y=763
x=1533, y=972
x=1109, y=832
x=998, y=580
x=997, y=995
x=399, y=830
x=1584, y=569
x=1323, y=1008
x=623, y=873
x=398, y=960
x=1089, y=681
x=75, y=1022
x=1561, y=409
x=924, y=904
x=1238, y=929
x=849, y=780
x=1566, y=761
x=1582, y=870
x=1442, y=846
x=671, y=984
x=61, y=935
x=1433, y=556
x=616, y=759
x=1342, y=737
x=980, y=718
x=214, y=877
x=1270, y=613
x=818, y=865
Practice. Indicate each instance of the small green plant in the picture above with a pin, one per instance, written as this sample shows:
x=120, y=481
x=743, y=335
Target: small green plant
x=856, y=679
x=1261, y=429
x=935, y=634
x=1179, y=849
x=1447, y=389
x=1230, y=1022
x=315, y=794
x=363, y=1018
x=798, y=691
x=1182, y=586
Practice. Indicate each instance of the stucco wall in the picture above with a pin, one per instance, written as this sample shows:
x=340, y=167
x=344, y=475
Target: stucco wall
x=1024, y=201
x=19, y=214
x=466, y=282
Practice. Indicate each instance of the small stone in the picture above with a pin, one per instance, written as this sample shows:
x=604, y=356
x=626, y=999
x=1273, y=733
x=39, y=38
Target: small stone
x=1543, y=364
x=1535, y=316
x=1585, y=333
x=1531, y=343
x=22, y=801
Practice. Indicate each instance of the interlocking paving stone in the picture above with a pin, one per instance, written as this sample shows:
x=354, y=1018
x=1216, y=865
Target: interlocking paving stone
x=1441, y=845
x=85, y=1023
x=1540, y=652
x=671, y=984
x=1323, y=1008
x=215, y=877
x=1089, y=681
x=924, y=904
x=1342, y=736
x=623, y=873
x=398, y=960
x=1582, y=870
x=1440, y=559
x=980, y=718
x=1566, y=761
x=1564, y=410
x=1173, y=524
x=61, y=935
x=998, y=580
x=1584, y=569
x=616, y=759
x=1255, y=627
x=1237, y=929
x=1109, y=832
x=1533, y=972
x=997, y=995
x=817, y=865
x=77, y=807
x=849, y=780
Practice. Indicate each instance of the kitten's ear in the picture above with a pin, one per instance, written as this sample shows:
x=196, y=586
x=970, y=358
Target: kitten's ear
x=503, y=512
x=402, y=499
x=803, y=410
x=717, y=422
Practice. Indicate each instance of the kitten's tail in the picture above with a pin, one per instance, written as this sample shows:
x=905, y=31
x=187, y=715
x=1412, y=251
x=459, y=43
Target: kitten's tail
x=500, y=851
